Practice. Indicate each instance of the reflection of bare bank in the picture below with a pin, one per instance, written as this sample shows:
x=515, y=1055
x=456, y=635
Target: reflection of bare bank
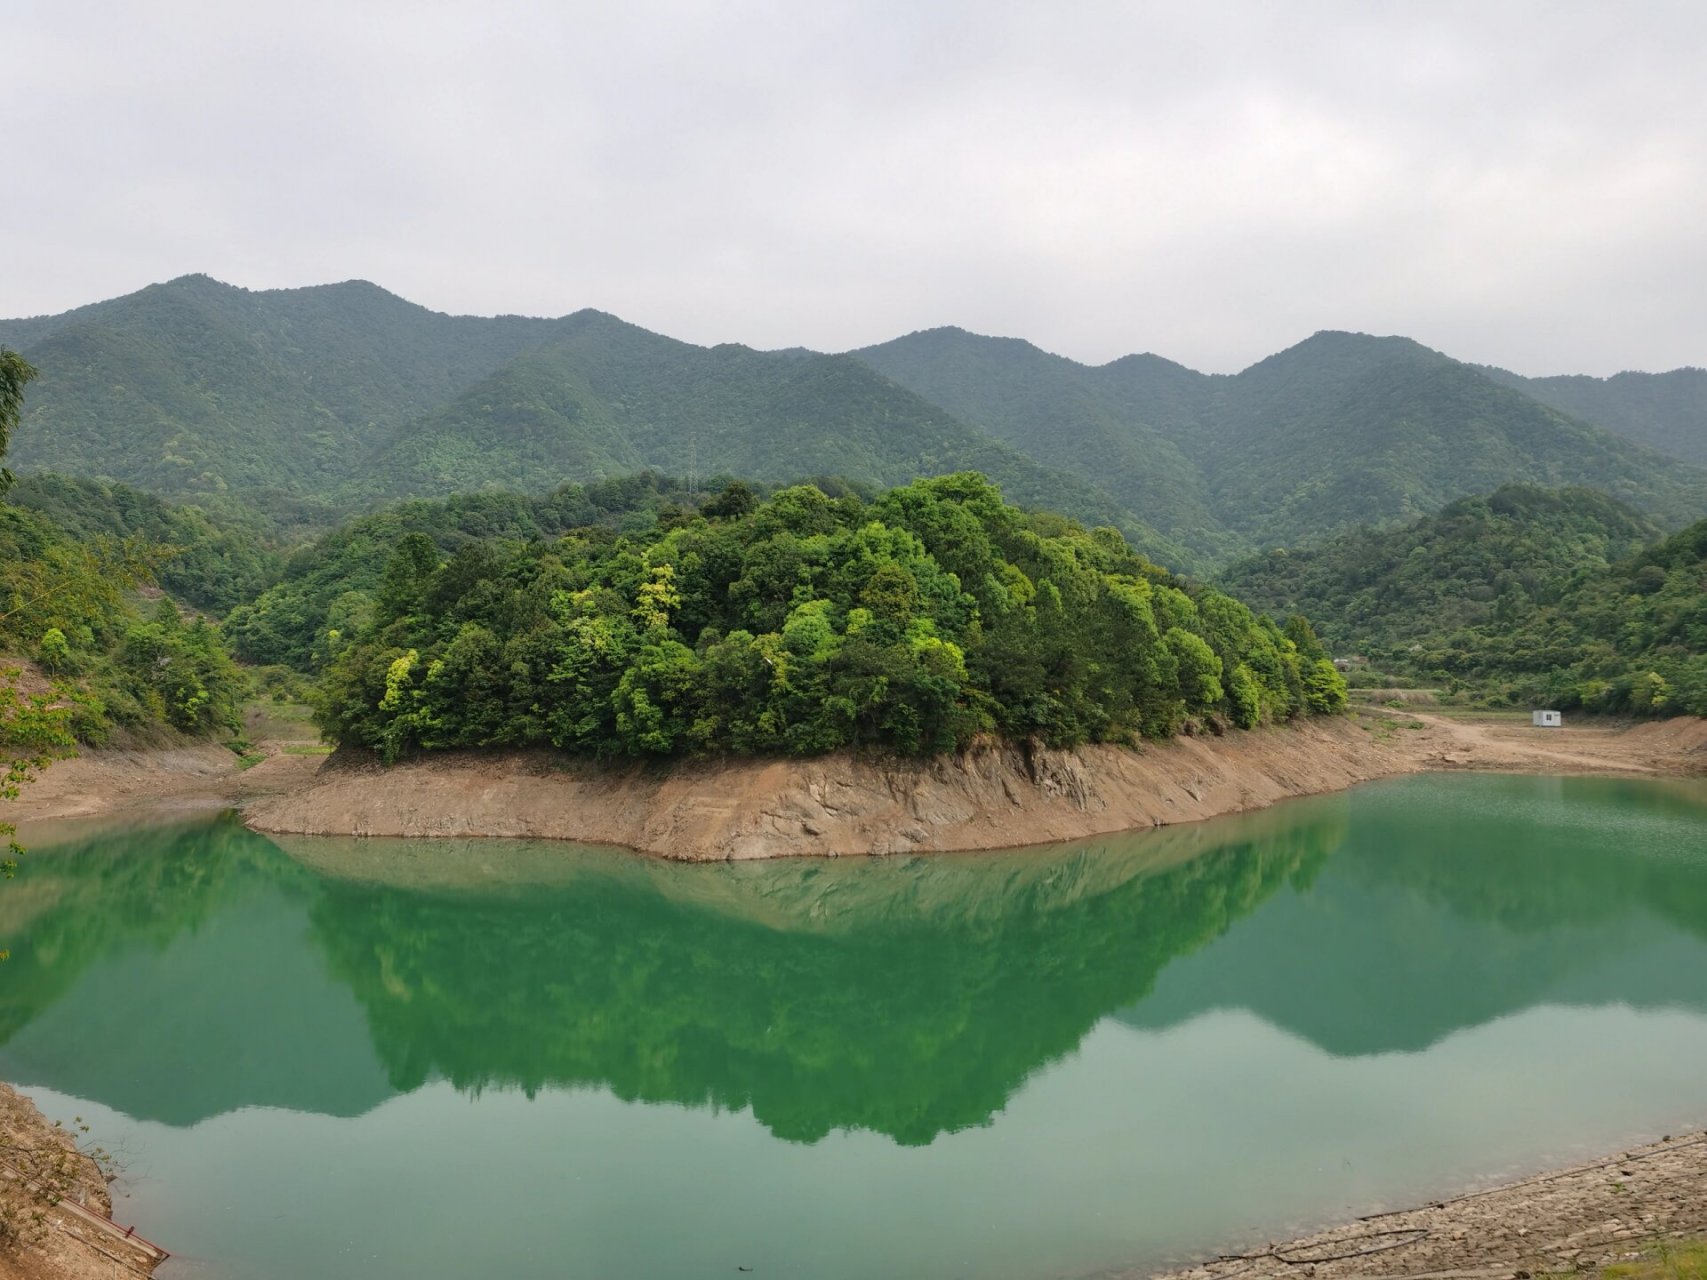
x=799, y=896
x=55, y=1213
x=1572, y=1220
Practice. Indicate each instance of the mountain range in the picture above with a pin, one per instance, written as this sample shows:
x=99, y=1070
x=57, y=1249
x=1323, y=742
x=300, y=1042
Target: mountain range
x=349, y=393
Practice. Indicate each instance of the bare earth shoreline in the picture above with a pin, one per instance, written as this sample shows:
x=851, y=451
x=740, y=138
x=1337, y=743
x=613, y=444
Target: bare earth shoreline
x=996, y=796
x=990, y=797
x=1577, y=1219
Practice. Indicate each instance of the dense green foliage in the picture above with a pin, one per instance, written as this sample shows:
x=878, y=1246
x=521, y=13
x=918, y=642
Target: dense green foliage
x=66, y=605
x=1526, y=596
x=912, y=623
x=15, y=373
x=327, y=588
x=63, y=603
x=1379, y=592
x=1633, y=638
x=1339, y=431
x=198, y=387
x=212, y=557
x=347, y=394
x=608, y=398
x=1106, y=425
x=345, y=391
x=1665, y=411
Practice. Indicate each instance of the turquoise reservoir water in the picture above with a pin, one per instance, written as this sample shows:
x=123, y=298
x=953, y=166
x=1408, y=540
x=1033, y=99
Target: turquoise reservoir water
x=416, y=1059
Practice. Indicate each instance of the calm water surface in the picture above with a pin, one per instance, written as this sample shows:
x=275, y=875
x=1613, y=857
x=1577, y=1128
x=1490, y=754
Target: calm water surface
x=427, y=1059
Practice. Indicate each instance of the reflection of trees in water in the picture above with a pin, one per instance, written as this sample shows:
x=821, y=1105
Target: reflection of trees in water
x=76, y=902
x=1531, y=854
x=907, y=998
x=1460, y=901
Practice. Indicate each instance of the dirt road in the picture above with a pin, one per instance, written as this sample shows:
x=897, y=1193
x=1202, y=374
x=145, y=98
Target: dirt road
x=1456, y=742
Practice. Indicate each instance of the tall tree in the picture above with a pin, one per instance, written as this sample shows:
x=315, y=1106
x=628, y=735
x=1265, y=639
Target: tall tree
x=15, y=371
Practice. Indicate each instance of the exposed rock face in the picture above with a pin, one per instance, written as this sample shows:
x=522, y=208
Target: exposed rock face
x=991, y=796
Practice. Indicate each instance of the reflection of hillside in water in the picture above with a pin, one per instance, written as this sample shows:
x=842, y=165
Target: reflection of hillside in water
x=1437, y=916
x=168, y=972
x=906, y=997
x=909, y=998
x=183, y=972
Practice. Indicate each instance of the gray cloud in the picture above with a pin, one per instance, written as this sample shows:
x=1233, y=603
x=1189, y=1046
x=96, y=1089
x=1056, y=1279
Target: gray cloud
x=1518, y=183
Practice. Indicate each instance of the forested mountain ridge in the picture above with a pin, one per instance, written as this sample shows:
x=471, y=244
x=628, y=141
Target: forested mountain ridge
x=1338, y=431
x=608, y=398
x=347, y=392
x=1083, y=419
x=1345, y=429
x=1665, y=411
x=194, y=388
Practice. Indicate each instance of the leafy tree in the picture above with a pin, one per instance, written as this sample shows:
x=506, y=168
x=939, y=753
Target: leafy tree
x=15, y=372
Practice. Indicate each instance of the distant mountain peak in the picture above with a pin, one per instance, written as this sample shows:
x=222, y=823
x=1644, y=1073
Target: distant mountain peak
x=195, y=281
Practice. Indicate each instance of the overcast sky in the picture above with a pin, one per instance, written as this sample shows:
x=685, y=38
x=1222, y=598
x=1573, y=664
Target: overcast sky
x=1514, y=183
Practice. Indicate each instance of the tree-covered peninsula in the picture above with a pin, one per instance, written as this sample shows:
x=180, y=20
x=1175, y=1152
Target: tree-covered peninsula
x=912, y=623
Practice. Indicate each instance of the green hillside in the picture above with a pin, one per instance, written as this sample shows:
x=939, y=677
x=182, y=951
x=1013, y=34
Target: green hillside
x=1523, y=596
x=347, y=395
x=610, y=398
x=66, y=605
x=1665, y=411
x=197, y=387
x=1379, y=592
x=329, y=585
x=215, y=557
x=1093, y=422
x=1344, y=429
x=1339, y=431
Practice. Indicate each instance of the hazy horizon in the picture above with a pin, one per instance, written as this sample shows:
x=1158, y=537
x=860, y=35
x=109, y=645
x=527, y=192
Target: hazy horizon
x=1004, y=337
x=1516, y=185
